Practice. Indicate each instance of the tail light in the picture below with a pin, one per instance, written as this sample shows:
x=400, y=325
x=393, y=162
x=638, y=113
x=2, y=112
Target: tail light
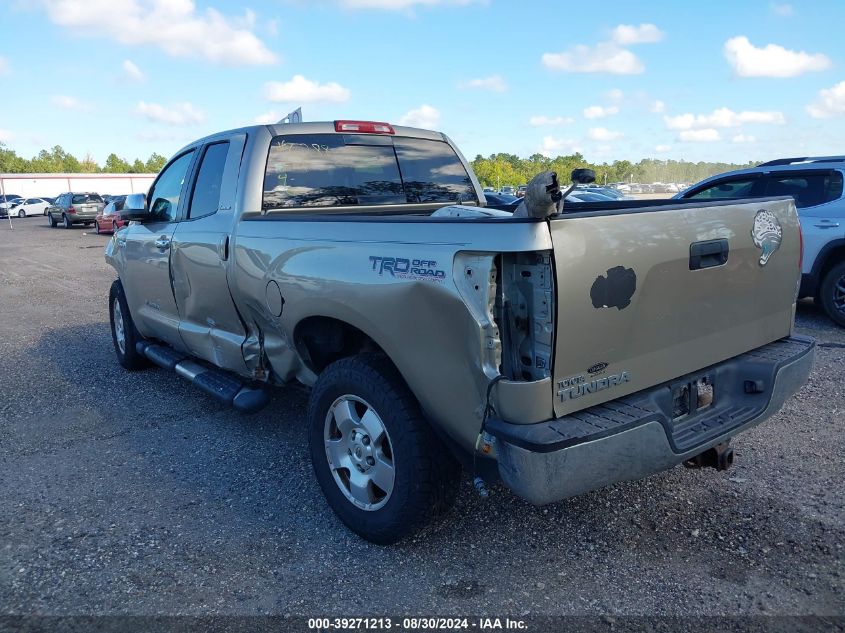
x=365, y=127
x=70, y=209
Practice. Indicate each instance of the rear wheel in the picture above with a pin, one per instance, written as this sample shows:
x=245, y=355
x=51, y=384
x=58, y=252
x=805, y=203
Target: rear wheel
x=51, y=221
x=66, y=221
x=381, y=467
x=832, y=293
x=123, y=332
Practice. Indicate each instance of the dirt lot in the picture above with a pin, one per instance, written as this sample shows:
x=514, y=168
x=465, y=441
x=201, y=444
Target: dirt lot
x=134, y=493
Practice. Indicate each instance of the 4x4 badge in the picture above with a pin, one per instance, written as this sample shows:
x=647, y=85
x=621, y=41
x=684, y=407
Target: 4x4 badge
x=767, y=234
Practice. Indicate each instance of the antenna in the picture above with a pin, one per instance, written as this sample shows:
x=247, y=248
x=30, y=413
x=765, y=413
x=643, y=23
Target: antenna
x=292, y=117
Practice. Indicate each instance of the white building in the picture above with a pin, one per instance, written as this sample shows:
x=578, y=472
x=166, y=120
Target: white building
x=35, y=185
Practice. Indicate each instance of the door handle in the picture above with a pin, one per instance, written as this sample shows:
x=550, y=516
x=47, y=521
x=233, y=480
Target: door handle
x=826, y=224
x=163, y=242
x=708, y=254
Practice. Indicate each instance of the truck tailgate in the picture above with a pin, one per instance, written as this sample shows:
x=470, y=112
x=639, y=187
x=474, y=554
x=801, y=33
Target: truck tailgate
x=647, y=295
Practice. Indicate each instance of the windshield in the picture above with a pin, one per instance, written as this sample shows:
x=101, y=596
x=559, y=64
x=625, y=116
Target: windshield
x=82, y=198
x=329, y=170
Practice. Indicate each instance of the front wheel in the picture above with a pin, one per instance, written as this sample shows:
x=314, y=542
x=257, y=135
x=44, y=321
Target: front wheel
x=381, y=467
x=123, y=332
x=832, y=293
x=21, y=213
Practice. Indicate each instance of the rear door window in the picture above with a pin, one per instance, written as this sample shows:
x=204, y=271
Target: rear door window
x=332, y=170
x=809, y=189
x=743, y=187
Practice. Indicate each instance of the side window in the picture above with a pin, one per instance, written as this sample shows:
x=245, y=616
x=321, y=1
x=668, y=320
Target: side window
x=206, y=196
x=164, y=195
x=808, y=189
x=738, y=188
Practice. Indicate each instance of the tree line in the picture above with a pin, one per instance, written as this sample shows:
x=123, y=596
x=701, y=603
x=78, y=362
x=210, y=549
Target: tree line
x=57, y=160
x=502, y=169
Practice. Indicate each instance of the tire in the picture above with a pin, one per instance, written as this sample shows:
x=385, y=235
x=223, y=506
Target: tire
x=832, y=293
x=21, y=213
x=113, y=227
x=51, y=221
x=425, y=475
x=66, y=221
x=127, y=355
x=97, y=227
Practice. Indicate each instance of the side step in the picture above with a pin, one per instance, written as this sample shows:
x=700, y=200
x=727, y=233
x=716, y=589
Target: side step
x=217, y=383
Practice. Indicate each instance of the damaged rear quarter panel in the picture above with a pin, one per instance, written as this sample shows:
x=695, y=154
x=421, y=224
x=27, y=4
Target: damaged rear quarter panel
x=335, y=269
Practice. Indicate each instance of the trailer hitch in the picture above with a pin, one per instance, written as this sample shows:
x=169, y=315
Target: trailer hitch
x=720, y=457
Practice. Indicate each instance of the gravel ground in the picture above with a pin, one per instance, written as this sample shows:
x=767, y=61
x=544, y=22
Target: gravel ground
x=136, y=494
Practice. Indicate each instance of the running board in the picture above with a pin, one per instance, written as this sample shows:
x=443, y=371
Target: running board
x=219, y=384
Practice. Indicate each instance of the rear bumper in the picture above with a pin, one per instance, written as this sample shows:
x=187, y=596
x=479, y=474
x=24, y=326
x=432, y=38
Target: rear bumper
x=636, y=436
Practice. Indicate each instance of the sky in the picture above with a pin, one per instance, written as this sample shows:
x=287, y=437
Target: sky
x=728, y=81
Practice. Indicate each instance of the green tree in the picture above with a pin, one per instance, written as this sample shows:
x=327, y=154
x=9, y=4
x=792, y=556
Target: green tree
x=115, y=165
x=138, y=167
x=88, y=165
x=154, y=163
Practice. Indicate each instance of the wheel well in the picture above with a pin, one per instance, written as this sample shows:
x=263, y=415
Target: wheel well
x=321, y=341
x=831, y=258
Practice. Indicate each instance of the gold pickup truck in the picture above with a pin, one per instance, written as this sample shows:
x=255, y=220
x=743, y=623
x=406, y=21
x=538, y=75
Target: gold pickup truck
x=558, y=350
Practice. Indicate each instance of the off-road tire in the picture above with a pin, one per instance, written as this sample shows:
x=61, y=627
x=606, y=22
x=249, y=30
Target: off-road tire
x=831, y=291
x=426, y=473
x=129, y=358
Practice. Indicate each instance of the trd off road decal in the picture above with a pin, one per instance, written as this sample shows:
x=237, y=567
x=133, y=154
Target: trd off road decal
x=405, y=268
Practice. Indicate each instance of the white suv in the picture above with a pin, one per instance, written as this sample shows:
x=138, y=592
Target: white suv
x=816, y=184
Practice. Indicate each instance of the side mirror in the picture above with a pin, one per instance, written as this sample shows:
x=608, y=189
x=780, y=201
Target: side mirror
x=583, y=176
x=135, y=207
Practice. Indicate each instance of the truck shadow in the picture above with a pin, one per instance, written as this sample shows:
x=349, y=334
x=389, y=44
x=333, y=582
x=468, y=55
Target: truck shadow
x=247, y=480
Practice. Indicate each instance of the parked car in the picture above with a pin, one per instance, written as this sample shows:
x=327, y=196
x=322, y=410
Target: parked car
x=74, y=208
x=816, y=185
x=111, y=219
x=30, y=206
x=520, y=191
x=613, y=194
x=507, y=190
x=496, y=199
x=556, y=352
x=6, y=202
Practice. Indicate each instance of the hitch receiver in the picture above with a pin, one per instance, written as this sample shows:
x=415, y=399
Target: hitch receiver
x=720, y=457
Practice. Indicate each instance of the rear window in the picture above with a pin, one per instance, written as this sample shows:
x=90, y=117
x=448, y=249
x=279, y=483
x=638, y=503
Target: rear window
x=82, y=198
x=809, y=189
x=331, y=170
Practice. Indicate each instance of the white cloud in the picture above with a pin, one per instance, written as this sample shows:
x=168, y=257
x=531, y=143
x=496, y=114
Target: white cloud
x=614, y=95
x=540, y=121
x=743, y=138
x=132, y=72
x=184, y=113
x=605, y=57
x=625, y=34
x=781, y=8
x=69, y=103
x=830, y=103
x=662, y=149
x=302, y=90
x=772, y=60
x=399, y=5
x=599, y=112
x=4, y=66
x=603, y=134
x=425, y=116
x=700, y=136
x=493, y=83
x=658, y=107
x=553, y=145
x=175, y=26
x=723, y=117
